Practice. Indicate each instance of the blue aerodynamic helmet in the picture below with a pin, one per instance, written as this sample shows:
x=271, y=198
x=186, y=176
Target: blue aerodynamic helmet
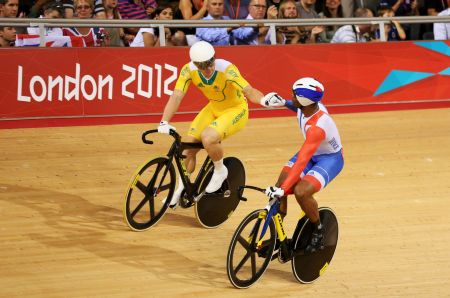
x=308, y=91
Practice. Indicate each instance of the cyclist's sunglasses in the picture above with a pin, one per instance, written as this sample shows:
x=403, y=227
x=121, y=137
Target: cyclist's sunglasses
x=205, y=64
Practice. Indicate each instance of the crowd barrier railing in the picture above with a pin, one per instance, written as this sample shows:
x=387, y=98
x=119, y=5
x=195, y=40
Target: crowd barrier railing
x=161, y=24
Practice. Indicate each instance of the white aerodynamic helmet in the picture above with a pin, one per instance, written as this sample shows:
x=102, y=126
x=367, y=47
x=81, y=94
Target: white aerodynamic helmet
x=201, y=51
x=308, y=91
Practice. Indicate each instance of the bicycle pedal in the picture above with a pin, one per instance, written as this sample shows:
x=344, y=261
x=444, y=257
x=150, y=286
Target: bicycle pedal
x=197, y=198
x=274, y=256
x=283, y=259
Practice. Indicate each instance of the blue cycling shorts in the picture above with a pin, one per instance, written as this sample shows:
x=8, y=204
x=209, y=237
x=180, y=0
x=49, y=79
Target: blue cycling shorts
x=321, y=169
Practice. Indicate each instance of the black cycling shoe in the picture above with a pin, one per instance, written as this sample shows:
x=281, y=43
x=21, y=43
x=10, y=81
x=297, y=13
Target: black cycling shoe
x=285, y=252
x=316, y=242
x=264, y=249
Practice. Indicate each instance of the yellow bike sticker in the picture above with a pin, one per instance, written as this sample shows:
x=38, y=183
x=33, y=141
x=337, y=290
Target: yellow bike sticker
x=136, y=179
x=323, y=268
x=302, y=213
x=279, y=226
x=262, y=214
x=258, y=245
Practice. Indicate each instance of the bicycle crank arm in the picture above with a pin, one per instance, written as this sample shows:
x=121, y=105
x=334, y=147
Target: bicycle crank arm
x=199, y=196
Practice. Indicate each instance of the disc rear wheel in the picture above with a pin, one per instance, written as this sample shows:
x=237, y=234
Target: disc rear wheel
x=309, y=267
x=214, y=209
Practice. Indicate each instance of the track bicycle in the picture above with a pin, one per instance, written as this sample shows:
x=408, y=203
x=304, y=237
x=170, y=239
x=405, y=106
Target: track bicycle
x=152, y=187
x=260, y=238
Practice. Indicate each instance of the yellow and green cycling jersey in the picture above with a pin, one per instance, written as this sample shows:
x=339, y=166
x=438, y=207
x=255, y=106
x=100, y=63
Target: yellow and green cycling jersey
x=223, y=89
x=227, y=110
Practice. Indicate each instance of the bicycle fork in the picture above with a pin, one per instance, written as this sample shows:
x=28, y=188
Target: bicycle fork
x=271, y=211
x=284, y=253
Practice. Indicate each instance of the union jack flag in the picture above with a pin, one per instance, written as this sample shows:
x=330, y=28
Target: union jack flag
x=31, y=40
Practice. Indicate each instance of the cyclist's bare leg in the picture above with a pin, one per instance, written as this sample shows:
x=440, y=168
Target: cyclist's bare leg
x=190, y=167
x=304, y=191
x=191, y=154
x=211, y=141
x=304, y=194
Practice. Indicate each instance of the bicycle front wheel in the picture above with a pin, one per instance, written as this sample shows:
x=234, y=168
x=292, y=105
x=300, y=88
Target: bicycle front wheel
x=149, y=194
x=246, y=262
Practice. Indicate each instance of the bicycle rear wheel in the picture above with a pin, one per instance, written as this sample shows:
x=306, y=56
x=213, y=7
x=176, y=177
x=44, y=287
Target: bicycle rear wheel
x=149, y=194
x=214, y=209
x=309, y=267
x=245, y=262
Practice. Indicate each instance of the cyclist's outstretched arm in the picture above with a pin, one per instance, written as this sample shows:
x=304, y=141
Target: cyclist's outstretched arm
x=172, y=105
x=288, y=104
x=253, y=94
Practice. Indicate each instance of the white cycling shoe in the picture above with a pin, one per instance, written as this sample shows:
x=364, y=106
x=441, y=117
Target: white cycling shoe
x=217, y=179
x=175, y=198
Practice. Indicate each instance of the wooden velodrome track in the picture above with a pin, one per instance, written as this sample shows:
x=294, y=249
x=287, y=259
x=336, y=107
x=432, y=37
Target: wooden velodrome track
x=63, y=234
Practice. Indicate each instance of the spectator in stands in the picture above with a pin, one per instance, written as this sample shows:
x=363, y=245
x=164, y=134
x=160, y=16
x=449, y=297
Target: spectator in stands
x=401, y=8
x=433, y=7
x=191, y=10
x=7, y=36
x=275, y=3
x=393, y=31
x=93, y=37
x=291, y=34
x=272, y=11
x=442, y=30
x=306, y=11
x=255, y=35
x=218, y=35
x=404, y=8
x=35, y=9
x=116, y=36
x=9, y=8
x=355, y=33
x=149, y=37
x=236, y=9
x=136, y=10
x=51, y=10
x=349, y=6
x=99, y=9
x=369, y=4
x=331, y=9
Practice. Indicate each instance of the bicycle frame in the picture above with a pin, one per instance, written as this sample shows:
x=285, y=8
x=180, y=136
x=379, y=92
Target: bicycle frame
x=190, y=187
x=271, y=211
x=176, y=151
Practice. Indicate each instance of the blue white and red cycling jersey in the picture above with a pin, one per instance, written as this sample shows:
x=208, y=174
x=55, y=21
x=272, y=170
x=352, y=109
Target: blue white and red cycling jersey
x=320, y=158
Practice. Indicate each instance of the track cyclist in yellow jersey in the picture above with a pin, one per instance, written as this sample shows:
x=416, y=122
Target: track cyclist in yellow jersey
x=225, y=114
